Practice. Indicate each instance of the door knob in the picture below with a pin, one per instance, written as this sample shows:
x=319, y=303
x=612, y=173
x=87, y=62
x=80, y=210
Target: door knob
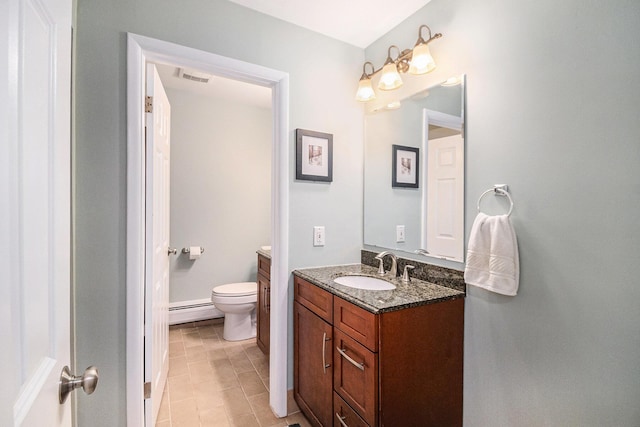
x=69, y=382
x=172, y=251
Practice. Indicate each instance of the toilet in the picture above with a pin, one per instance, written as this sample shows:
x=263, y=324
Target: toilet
x=238, y=303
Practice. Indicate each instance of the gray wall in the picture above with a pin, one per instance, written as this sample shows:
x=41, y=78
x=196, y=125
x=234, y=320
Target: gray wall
x=552, y=110
x=323, y=77
x=220, y=191
x=385, y=207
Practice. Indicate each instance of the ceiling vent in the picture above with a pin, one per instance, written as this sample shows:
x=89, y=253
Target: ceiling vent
x=193, y=75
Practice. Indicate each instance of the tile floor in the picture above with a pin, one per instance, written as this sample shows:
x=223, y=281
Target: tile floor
x=213, y=382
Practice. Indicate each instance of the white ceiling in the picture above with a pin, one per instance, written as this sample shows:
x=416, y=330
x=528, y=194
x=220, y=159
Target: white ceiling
x=218, y=87
x=357, y=22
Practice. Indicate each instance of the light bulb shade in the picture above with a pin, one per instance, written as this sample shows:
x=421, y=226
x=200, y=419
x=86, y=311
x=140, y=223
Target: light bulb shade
x=390, y=78
x=421, y=60
x=365, y=90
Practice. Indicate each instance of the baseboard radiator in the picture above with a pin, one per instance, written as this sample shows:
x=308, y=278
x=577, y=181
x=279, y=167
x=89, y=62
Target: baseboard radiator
x=192, y=311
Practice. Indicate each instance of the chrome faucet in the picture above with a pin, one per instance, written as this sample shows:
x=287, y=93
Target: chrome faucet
x=394, y=263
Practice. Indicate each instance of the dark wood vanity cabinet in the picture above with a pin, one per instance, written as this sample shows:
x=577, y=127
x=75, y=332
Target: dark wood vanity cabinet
x=263, y=323
x=313, y=354
x=396, y=368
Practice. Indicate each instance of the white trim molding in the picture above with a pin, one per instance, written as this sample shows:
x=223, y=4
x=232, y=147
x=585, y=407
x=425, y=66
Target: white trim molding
x=140, y=50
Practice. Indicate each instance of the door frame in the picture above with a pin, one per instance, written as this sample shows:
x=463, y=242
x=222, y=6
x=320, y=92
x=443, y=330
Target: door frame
x=141, y=49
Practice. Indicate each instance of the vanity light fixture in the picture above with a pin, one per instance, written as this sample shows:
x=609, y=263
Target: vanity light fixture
x=421, y=61
x=415, y=61
x=390, y=78
x=365, y=90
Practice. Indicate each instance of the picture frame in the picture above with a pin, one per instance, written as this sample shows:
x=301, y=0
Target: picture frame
x=314, y=156
x=405, y=167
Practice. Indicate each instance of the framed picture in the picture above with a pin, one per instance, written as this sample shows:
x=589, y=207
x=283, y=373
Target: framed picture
x=405, y=167
x=314, y=156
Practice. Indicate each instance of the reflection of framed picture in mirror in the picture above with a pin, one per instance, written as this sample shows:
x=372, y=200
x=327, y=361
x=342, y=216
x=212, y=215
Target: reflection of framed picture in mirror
x=405, y=167
x=314, y=156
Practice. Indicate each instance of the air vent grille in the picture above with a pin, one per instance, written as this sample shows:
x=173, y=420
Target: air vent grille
x=193, y=75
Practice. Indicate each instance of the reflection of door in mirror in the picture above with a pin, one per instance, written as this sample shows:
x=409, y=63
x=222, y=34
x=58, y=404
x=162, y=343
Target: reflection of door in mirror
x=432, y=215
x=443, y=209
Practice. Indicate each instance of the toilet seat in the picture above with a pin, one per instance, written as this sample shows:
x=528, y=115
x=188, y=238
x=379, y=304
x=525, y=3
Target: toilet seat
x=235, y=289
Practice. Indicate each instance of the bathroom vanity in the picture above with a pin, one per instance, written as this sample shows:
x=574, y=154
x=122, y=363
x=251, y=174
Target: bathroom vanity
x=264, y=301
x=377, y=358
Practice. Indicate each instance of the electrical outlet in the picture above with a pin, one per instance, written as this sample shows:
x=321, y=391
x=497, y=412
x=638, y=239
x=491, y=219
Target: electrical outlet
x=399, y=233
x=318, y=235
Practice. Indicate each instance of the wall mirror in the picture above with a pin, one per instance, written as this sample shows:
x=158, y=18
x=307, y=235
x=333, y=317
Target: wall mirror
x=428, y=217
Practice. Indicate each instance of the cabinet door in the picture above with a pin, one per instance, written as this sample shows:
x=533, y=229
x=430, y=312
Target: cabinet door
x=263, y=323
x=313, y=372
x=356, y=376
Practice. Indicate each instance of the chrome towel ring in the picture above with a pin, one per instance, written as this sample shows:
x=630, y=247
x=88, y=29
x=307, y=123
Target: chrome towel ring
x=498, y=190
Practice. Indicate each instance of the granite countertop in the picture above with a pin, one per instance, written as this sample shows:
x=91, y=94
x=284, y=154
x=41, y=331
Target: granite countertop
x=412, y=294
x=264, y=251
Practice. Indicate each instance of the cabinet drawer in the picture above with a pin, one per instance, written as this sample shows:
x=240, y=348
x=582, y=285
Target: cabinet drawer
x=344, y=415
x=314, y=298
x=356, y=322
x=355, y=375
x=264, y=266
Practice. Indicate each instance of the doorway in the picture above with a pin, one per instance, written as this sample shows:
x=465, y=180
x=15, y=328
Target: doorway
x=220, y=184
x=140, y=51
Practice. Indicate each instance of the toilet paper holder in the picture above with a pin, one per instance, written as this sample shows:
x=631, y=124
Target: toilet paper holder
x=186, y=250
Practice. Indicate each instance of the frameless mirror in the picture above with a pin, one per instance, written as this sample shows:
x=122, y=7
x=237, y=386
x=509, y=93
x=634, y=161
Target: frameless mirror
x=414, y=173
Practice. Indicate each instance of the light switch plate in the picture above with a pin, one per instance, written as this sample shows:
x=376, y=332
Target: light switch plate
x=399, y=233
x=318, y=235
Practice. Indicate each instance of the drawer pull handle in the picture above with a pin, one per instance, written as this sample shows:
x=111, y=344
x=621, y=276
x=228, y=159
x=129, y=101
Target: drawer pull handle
x=343, y=353
x=325, y=365
x=341, y=420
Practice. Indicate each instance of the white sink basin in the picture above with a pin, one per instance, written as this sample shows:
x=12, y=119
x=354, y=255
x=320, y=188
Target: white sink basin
x=365, y=282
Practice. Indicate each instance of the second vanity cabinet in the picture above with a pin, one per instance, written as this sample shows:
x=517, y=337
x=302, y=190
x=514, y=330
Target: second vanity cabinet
x=355, y=367
x=263, y=304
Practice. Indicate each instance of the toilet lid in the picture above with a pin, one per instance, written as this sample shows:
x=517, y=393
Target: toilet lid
x=236, y=289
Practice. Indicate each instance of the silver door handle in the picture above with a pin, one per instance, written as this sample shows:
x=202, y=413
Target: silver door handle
x=172, y=251
x=343, y=353
x=69, y=382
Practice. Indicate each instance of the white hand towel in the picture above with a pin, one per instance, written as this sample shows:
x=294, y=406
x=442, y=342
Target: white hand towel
x=492, y=255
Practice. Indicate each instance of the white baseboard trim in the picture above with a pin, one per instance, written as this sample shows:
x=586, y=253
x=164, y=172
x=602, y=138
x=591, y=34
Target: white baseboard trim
x=192, y=311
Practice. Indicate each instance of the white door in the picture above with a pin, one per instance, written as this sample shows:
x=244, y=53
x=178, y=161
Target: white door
x=156, y=345
x=35, y=187
x=445, y=197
